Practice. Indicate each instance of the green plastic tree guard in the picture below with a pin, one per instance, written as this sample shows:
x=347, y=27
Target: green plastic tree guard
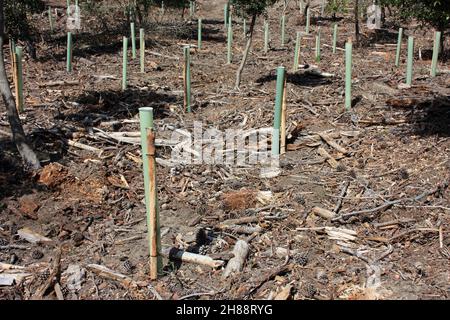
x=318, y=45
x=399, y=47
x=281, y=74
x=297, y=51
x=229, y=41
x=142, y=49
x=151, y=205
x=124, y=63
x=283, y=30
x=266, y=36
x=199, y=34
x=69, y=51
x=436, y=48
x=409, y=66
x=133, y=41
x=335, y=31
x=308, y=20
x=19, y=55
x=348, y=75
x=50, y=18
x=187, y=78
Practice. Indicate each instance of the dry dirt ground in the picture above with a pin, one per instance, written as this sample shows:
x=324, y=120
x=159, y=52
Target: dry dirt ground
x=392, y=161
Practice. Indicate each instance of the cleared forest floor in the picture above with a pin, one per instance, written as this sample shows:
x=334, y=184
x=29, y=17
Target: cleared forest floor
x=90, y=203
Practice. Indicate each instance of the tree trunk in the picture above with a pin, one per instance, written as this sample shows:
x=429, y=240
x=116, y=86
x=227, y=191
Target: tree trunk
x=246, y=52
x=356, y=9
x=28, y=155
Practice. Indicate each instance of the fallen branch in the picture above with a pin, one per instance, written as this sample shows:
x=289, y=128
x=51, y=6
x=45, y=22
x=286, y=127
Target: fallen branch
x=236, y=264
x=181, y=255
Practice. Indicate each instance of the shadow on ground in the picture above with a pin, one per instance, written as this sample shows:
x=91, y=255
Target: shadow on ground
x=432, y=117
x=305, y=79
x=96, y=106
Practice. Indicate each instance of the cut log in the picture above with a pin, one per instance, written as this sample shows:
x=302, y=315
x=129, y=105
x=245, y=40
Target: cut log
x=181, y=255
x=107, y=273
x=236, y=264
x=324, y=213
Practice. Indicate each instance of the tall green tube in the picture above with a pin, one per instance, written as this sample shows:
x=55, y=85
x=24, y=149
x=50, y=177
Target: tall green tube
x=297, y=51
x=50, y=18
x=281, y=74
x=68, y=5
x=266, y=36
x=199, y=34
x=226, y=13
x=69, y=51
x=436, y=48
x=399, y=47
x=124, y=63
x=187, y=61
x=318, y=45
x=283, y=30
x=409, y=66
x=146, y=122
x=142, y=49
x=335, y=31
x=229, y=41
x=133, y=40
x=245, y=27
x=348, y=75
x=19, y=55
x=191, y=9
x=308, y=20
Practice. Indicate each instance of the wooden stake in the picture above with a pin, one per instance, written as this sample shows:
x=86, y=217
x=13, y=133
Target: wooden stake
x=151, y=201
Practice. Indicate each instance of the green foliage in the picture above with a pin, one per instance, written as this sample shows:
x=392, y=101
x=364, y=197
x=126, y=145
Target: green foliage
x=16, y=17
x=248, y=8
x=336, y=7
x=433, y=12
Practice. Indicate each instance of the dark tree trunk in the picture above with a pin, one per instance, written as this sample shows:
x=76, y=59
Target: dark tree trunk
x=246, y=52
x=28, y=155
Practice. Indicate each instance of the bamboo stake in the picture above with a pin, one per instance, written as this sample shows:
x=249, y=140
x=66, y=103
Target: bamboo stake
x=266, y=36
x=348, y=75
x=124, y=63
x=335, y=31
x=229, y=41
x=308, y=20
x=399, y=47
x=436, y=48
x=19, y=77
x=133, y=41
x=187, y=79
x=409, y=66
x=199, y=45
x=69, y=51
x=151, y=201
x=297, y=51
x=281, y=73
x=283, y=29
x=142, y=49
